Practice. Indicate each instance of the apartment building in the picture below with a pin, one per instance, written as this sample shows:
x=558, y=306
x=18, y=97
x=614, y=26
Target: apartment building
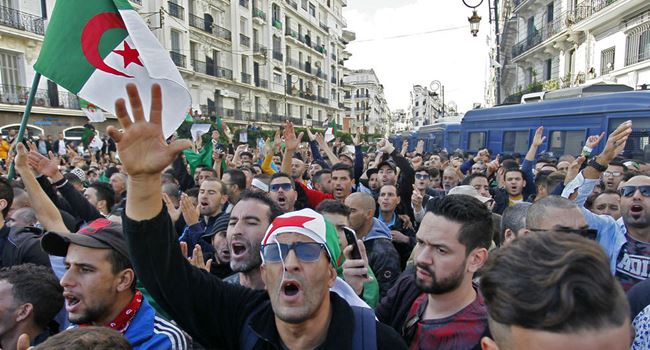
x=262, y=61
x=366, y=105
x=22, y=29
x=550, y=44
x=401, y=121
x=425, y=106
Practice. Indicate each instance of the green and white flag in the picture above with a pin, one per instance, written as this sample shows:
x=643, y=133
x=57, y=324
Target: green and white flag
x=330, y=132
x=94, y=113
x=95, y=48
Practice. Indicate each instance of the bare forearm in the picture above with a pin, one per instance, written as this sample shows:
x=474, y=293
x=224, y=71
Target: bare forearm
x=532, y=153
x=330, y=154
x=286, y=161
x=46, y=212
x=143, y=197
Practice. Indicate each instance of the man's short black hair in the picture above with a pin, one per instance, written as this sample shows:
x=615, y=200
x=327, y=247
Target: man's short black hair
x=474, y=216
x=332, y=206
x=274, y=209
x=119, y=263
x=105, y=192
x=237, y=177
x=425, y=169
x=279, y=175
x=318, y=174
x=345, y=167
x=553, y=282
x=515, y=169
x=468, y=180
x=6, y=193
x=36, y=285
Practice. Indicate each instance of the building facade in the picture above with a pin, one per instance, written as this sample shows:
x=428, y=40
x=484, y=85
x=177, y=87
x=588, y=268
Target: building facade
x=248, y=61
x=401, y=121
x=551, y=44
x=426, y=106
x=365, y=103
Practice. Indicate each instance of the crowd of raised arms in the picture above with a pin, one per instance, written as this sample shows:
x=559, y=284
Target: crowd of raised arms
x=320, y=245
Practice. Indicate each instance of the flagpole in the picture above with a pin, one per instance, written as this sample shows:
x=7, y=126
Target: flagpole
x=23, y=123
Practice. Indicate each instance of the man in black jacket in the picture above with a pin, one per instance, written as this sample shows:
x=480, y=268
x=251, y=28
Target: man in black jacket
x=219, y=315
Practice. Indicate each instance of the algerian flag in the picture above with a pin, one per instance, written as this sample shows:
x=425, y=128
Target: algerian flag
x=88, y=135
x=96, y=143
x=94, y=114
x=95, y=48
x=330, y=132
x=203, y=158
x=199, y=129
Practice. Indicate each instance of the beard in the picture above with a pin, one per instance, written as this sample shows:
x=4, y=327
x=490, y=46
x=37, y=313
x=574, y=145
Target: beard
x=251, y=261
x=442, y=286
x=90, y=315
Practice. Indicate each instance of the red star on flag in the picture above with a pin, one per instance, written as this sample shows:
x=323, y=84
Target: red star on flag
x=296, y=220
x=129, y=55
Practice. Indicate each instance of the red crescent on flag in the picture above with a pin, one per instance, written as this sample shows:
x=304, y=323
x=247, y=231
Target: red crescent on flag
x=92, y=34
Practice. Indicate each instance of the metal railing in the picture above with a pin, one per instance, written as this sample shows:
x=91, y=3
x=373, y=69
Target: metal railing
x=277, y=55
x=323, y=100
x=200, y=23
x=178, y=58
x=324, y=26
x=18, y=95
x=293, y=4
x=586, y=9
x=224, y=73
x=176, y=10
x=262, y=83
x=277, y=23
x=320, y=74
x=20, y=20
x=222, y=32
x=199, y=66
x=538, y=36
x=245, y=78
x=259, y=48
x=244, y=40
x=257, y=13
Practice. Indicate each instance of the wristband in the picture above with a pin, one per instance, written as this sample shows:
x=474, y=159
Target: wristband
x=594, y=164
x=586, y=151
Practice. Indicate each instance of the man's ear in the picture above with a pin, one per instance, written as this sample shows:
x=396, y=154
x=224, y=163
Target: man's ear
x=24, y=311
x=488, y=344
x=126, y=278
x=508, y=236
x=477, y=259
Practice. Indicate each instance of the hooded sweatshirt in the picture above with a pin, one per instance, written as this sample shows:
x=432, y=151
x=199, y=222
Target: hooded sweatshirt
x=383, y=258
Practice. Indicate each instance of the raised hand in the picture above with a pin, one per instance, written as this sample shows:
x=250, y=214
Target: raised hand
x=594, y=140
x=190, y=212
x=538, y=139
x=173, y=212
x=615, y=142
x=43, y=165
x=574, y=169
x=142, y=147
x=310, y=135
x=197, y=257
x=291, y=142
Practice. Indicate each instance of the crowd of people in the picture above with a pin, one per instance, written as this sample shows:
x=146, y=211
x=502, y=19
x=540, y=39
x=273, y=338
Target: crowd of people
x=320, y=245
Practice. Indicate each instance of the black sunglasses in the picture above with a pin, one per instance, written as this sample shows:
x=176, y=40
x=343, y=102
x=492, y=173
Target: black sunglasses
x=588, y=233
x=629, y=191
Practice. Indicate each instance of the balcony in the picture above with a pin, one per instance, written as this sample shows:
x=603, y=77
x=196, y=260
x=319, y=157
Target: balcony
x=324, y=27
x=224, y=73
x=277, y=24
x=587, y=9
x=548, y=31
x=178, y=58
x=243, y=3
x=262, y=83
x=257, y=13
x=211, y=70
x=22, y=21
x=333, y=80
x=176, y=10
x=259, y=49
x=244, y=40
x=245, y=78
x=18, y=95
x=293, y=4
x=323, y=100
x=222, y=33
x=277, y=55
x=341, y=105
x=347, y=96
x=319, y=74
x=200, y=23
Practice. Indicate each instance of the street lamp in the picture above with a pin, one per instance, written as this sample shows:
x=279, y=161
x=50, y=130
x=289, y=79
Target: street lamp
x=474, y=23
x=435, y=86
x=475, y=20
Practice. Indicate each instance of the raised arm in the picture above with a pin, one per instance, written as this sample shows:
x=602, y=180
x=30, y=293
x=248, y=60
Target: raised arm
x=46, y=212
x=291, y=143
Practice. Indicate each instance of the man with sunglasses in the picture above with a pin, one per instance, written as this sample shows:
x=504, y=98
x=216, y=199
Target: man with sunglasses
x=626, y=240
x=554, y=213
x=296, y=310
x=283, y=192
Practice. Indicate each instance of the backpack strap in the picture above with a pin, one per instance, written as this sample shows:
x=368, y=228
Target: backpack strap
x=365, y=329
x=248, y=338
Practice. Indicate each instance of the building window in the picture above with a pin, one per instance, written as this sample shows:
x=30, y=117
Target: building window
x=275, y=9
x=476, y=141
x=417, y=103
x=10, y=71
x=638, y=45
x=312, y=10
x=549, y=13
x=515, y=141
x=607, y=60
x=548, y=68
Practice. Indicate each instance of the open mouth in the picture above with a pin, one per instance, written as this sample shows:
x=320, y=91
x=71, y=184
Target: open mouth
x=290, y=288
x=70, y=300
x=237, y=249
x=636, y=209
